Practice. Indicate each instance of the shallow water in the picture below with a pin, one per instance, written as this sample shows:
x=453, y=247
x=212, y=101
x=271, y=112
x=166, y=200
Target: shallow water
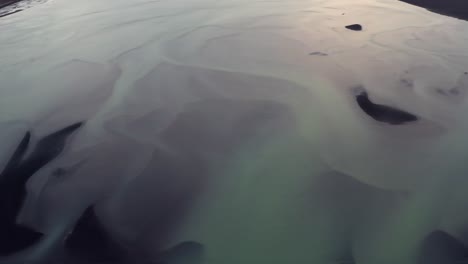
x=234, y=125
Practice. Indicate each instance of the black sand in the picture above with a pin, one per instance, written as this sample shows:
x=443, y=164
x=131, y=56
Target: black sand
x=453, y=8
x=90, y=241
x=354, y=27
x=441, y=248
x=383, y=113
x=13, y=179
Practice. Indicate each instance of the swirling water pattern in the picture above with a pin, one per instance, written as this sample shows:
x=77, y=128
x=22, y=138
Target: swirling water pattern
x=230, y=129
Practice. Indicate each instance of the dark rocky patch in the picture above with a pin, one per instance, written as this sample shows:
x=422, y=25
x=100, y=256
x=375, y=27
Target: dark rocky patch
x=50, y=147
x=4, y=3
x=318, y=53
x=383, y=113
x=11, y=185
x=453, y=8
x=9, y=7
x=354, y=27
x=16, y=158
x=14, y=237
x=441, y=248
x=90, y=241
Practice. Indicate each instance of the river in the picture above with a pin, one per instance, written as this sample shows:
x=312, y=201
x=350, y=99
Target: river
x=234, y=131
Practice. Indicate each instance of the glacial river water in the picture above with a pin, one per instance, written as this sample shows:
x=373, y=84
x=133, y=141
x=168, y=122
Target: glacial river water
x=233, y=131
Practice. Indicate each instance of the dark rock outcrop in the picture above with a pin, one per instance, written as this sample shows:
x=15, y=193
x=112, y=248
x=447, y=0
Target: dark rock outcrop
x=453, y=8
x=354, y=27
x=383, y=113
x=13, y=179
x=441, y=248
x=90, y=241
x=4, y=3
x=318, y=53
x=13, y=237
